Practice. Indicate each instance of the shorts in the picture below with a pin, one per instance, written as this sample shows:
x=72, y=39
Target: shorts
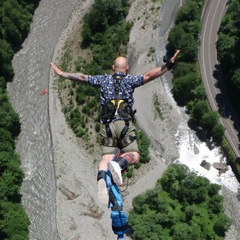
x=116, y=129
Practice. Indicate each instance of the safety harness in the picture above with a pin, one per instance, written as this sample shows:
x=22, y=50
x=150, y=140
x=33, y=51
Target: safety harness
x=118, y=109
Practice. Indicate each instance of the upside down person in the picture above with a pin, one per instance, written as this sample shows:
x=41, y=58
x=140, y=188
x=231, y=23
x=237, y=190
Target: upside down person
x=117, y=129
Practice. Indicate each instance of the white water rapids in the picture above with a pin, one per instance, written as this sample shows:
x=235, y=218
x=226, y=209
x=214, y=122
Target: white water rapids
x=186, y=139
x=192, y=152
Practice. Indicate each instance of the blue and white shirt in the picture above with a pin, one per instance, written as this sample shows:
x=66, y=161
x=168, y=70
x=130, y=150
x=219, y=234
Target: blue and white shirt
x=106, y=84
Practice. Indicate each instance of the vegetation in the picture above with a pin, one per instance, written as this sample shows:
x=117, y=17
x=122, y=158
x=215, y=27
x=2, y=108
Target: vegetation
x=14, y=24
x=228, y=47
x=181, y=206
x=187, y=85
x=188, y=89
x=157, y=106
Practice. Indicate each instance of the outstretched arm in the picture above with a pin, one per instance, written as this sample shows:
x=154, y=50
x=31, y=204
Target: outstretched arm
x=157, y=72
x=77, y=77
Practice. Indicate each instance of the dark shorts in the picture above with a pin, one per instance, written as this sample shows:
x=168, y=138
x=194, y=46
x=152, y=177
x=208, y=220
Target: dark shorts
x=116, y=129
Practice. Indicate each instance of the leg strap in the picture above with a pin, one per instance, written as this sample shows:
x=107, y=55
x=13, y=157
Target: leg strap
x=108, y=130
x=126, y=141
x=122, y=142
x=101, y=175
x=109, y=141
x=124, y=130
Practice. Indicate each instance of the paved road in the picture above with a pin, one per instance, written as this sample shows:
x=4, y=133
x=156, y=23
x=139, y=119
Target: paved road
x=209, y=66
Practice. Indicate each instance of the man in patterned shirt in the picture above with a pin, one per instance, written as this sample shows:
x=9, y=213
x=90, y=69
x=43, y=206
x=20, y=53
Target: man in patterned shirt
x=118, y=130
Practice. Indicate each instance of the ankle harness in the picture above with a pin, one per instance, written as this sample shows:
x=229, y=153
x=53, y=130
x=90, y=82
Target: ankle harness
x=117, y=109
x=123, y=163
x=101, y=175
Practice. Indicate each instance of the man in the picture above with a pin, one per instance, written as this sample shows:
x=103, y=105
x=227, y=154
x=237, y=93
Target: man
x=117, y=116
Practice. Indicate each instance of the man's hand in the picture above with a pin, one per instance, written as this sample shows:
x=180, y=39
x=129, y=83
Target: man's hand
x=170, y=62
x=77, y=77
x=56, y=69
x=173, y=59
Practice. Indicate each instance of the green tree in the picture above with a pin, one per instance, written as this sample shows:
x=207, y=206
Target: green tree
x=188, y=17
x=182, y=68
x=199, y=109
x=236, y=79
x=9, y=119
x=103, y=14
x=218, y=133
x=9, y=186
x=189, y=48
x=3, y=94
x=182, y=231
x=215, y=203
x=181, y=206
x=183, y=87
x=174, y=35
x=199, y=92
x=226, y=51
x=228, y=46
x=209, y=120
x=11, y=176
x=190, y=12
x=17, y=19
x=222, y=224
x=171, y=179
x=180, y=39
x=6, y=141
x=6, y=55
x=13, y=221
x=143, y=143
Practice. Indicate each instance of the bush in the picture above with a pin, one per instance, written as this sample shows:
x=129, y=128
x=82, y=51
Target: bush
x=97, y=127
x=181, y=206
x=143, y=144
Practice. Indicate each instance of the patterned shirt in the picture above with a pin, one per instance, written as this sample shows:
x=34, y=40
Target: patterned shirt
x=106, y=84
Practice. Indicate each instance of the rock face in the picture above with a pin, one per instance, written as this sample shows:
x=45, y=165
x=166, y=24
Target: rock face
x=221, y=167
x=205, y=164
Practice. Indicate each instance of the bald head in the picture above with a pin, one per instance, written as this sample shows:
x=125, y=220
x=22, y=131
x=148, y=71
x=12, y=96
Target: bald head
x=120, y=64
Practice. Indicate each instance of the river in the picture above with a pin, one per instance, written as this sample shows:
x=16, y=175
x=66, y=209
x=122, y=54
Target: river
x=31, y=67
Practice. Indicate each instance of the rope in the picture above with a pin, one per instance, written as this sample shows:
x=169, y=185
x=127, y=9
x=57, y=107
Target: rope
x=126, y=186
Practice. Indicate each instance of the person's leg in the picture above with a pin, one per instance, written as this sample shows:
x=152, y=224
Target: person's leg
x=117, y=166
x=101, y=178
x=104, y=161
x=108, y=152
x=130, y=154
